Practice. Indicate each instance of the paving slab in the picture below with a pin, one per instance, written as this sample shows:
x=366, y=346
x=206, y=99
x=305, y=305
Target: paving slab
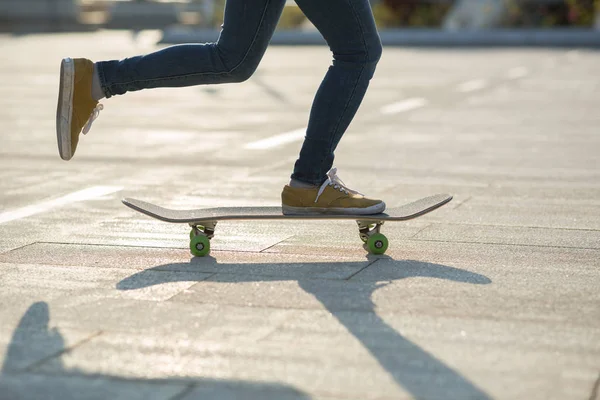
x=34, y=340
x=32, y=386
x=517, y=235
x=260, y=362
x=80, y=281
x=166, y=262
x=7, y=244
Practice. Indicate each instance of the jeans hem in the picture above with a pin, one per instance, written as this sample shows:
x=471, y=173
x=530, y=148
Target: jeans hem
x=105, y=89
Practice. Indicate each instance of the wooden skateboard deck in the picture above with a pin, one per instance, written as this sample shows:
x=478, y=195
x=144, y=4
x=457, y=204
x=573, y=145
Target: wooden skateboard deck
x=204, y=220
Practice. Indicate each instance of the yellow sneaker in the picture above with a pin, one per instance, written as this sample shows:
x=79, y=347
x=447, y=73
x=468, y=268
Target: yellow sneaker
x=333, y=197
x=76, y=110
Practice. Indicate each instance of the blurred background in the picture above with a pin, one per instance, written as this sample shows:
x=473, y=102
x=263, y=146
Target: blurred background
x=30, y=16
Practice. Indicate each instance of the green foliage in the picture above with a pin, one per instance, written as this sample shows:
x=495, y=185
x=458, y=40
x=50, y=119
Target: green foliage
x=547, y=15
x=291, y=18
x=581, y=12
x=395, y=13
x=416, y=13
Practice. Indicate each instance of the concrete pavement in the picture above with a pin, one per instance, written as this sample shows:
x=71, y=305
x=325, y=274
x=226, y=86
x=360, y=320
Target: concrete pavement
x=494, y=296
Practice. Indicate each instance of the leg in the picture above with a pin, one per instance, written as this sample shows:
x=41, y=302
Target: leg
x=349, y=29
x=247, y=30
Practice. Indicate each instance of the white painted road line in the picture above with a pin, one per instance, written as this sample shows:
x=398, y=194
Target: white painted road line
x=517, y=73
x=85, y=194
x=403, y=106
x=298, y=134
x=472, y=85
x=277, y=140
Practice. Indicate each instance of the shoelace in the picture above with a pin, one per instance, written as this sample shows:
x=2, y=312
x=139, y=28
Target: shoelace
x=337, y=183
x=90, y=121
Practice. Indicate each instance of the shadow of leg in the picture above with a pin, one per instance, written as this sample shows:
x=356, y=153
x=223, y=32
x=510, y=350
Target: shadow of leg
x=417, y=371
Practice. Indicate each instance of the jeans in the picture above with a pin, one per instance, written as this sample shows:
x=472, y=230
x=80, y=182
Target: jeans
x=347, y=26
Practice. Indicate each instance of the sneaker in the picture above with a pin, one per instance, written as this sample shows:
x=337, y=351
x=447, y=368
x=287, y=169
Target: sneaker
x=333, y=197
x=76, y=110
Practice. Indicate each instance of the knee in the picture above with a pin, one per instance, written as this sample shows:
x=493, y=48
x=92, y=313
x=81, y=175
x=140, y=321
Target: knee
x=372, y=50
x=242, y=71
x=375, y=50
x=367, y=54
x=238, y=66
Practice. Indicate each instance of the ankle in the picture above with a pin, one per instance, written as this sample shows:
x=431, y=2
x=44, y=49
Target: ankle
x=97, y=92
x=301, y=185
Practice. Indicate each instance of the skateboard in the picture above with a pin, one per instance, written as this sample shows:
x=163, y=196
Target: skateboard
x=204, y=220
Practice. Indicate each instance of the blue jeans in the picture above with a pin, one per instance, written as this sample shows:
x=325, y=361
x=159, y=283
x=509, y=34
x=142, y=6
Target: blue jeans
x=347, y=26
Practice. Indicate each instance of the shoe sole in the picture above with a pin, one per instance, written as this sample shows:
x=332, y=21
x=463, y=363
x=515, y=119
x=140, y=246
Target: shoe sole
x=374, y=209
x=64, y=110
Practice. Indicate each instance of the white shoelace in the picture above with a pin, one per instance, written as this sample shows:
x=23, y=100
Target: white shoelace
x=337, y=183
x=93, y=116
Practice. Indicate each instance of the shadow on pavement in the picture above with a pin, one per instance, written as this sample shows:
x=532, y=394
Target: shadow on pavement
x=413, y=368
x=269, y=89
x=34, y=342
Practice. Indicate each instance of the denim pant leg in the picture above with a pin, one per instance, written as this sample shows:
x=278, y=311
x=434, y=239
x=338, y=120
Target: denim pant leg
x=349, y=28
x=245, y=35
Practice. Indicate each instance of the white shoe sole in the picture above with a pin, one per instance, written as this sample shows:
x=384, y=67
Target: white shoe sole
x=374, y=209
x=64, y=109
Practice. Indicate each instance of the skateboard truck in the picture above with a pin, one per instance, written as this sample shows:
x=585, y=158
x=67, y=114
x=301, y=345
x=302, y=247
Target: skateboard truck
x=207, y=228
x=370, y=234
x=200, y=236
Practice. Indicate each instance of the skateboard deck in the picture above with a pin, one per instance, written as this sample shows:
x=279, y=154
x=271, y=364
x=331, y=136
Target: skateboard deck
x=204, y=220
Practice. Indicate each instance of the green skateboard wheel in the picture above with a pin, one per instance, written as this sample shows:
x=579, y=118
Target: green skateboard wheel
x=377, y=243
x=200, y=245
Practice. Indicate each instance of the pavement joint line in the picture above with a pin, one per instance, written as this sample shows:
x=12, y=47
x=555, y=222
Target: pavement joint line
x=187, y=288
x=63, y=351
x=184, y=392
x=595, y=395
x=295, y=135
x=81, y=195
x=362, y=269
x=275, y=244
x=278, y=326
x=99, y=375
x=422, y=229
x=19, y=247
x=522, y=226
x=462, y=202
x=286, y=277
x=505, y=244
x=132, y=270
x=403, y=106
x=290, y=307
x=110, y=245
x=211, y=274
x=265, y=250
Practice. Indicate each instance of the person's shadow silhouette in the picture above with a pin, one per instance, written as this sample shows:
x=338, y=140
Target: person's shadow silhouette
x=33, y=343
x=413, y=368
